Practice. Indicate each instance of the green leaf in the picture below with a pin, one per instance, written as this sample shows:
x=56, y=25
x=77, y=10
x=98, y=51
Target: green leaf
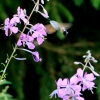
x=3, y=82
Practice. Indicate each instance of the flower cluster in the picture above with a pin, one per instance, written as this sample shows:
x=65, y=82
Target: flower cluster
x=70, y=89
x=87, y=64
x=35, y=32
x=11, y=24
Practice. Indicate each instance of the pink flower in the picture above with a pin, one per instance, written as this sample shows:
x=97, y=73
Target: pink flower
x=10, y=25
x=39, y=32
x=67, y=87
x=26, y=40
x=21, y=14
x=86, y=80
x=36, y=56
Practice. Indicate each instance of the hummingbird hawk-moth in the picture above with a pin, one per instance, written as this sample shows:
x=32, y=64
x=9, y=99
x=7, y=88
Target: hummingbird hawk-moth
x=55, y=26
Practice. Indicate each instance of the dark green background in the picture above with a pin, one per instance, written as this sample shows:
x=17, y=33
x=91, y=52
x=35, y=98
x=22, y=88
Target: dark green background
x=35, y=81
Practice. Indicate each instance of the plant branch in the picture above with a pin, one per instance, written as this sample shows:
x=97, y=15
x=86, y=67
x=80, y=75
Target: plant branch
x=14, y=50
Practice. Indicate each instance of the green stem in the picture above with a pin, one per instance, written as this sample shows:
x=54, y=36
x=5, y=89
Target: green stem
x=85, y=66
x=14, y=50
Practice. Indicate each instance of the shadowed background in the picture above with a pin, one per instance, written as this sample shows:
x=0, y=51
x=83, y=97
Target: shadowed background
x=31, y=80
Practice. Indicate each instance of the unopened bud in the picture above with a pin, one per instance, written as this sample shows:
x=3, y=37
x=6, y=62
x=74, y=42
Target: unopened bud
x=76, y=63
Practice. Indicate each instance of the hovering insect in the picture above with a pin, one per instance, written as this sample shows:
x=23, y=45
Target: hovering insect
x=55, y=26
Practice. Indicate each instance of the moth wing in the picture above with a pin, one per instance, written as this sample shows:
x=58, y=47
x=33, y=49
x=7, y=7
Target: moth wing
x=66, y=25
x=50, y=29
x=55, y=25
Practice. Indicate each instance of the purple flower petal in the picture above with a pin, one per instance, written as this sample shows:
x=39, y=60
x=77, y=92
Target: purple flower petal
x=64, y=82
x=36, y=56
x=35, y=34
x=6, y=21
x=79, y=98
x=6, y=32
x=90, y=77
x=19, y=43
x=26, y=40
x=40, y=40
x=80, y=72
x=66, y=98
x=14, y=29
x=30, y=45
x=59, y=82
x=61, y=92
x=74, y=79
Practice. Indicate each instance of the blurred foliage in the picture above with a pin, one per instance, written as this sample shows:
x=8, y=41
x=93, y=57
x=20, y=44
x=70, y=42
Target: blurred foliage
x=4, y=95
x=78, y=2
x=32, y=80
x=94, y=3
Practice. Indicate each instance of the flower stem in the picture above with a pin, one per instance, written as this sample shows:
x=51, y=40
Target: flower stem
x=14, y=50
x=85, y=66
